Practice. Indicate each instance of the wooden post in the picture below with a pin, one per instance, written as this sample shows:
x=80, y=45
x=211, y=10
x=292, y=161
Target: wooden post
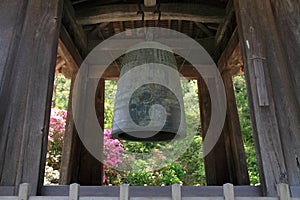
x=216, y=168
x=228, y=191
x=71, y=148
x=283, y=191
x=233, y=136
x=24, y=191
x=30, y=30
x=74, y=191
x=176, y=192
x=124, y=192
x=90, y=169
x=275, y=124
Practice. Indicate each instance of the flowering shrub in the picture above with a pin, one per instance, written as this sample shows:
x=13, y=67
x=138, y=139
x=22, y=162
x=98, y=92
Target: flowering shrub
x=113, y=150
x=55, y=143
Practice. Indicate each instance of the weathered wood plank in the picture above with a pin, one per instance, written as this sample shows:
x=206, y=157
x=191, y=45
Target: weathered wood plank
x=26, y=119
x=254, y=16
x=12, y=15
x=7, y=190
x=285, y=76
x=171, y=11
x=153, y=191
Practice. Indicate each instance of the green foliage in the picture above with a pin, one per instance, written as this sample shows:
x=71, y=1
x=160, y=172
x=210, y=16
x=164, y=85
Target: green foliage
x=188, y=169
x=192, y=163
x=61, y=92
x=245, y=121
x=171, y=174
x=110, y=93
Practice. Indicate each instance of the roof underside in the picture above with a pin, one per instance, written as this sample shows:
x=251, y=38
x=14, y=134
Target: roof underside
x=210, y=22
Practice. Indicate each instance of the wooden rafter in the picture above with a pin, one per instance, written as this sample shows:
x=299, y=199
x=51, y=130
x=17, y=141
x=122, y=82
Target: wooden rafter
x=171, y=11
x=231, y=58
x=74, y=29
x=207, y=31
x=224, y=26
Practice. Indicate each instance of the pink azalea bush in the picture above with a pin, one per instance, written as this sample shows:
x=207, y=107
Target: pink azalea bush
x=57, y=124
x=55, y=143
x=113, y=150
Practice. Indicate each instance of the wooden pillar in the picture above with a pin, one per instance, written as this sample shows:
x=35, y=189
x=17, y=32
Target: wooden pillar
x=90, y=169
x=71, y=148
x=233, y=137
x=78, y=165
x=216, y=168
x=285, y=77
x=29, y=36
x=270, y=74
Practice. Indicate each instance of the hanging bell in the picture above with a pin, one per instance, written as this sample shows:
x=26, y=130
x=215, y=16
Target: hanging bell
x=149, y=102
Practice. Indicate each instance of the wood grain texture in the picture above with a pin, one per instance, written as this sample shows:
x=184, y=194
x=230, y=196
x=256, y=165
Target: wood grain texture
x=255, y=22
x=26, y=93
x=216, y=166
x=234, y=146
x=284, y=70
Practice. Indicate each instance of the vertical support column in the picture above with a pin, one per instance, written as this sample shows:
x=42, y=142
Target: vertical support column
x=216, y=168
x=259, y=40
x=71, y=148
x=27, y=72
x=233, y=136
x=90, y=169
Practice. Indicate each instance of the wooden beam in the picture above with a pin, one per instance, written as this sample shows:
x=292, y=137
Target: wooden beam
x=70, y=67
x=171, y=11
x=204, y=29
x=231, y=58
x=26, y=88
x=225, y=24
x=98, y=28
x=70, y=46
x=112, y=72
x=156, y=192
x=207, y=43
x=74, y=29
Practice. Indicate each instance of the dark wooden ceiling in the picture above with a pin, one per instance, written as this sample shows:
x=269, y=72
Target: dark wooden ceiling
x=210, y=22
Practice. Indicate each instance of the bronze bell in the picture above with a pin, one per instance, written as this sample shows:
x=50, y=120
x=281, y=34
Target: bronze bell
x=148, y=99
